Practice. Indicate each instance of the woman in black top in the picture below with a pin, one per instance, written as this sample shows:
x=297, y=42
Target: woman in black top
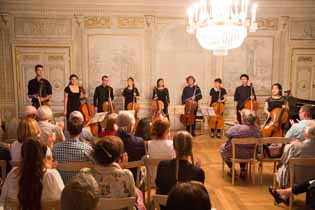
x=130, y=93
x=276, y=100
x=170, y=172
x=160, y=92
x=72, y=96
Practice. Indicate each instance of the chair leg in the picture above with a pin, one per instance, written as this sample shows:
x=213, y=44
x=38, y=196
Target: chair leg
x=261, y=168
x=223, y=168
x=291, y=202
x=253, y=172
x=233, y=172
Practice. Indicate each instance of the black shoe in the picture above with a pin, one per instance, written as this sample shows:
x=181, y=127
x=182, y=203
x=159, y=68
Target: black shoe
x=219, y=135
x=277, y=197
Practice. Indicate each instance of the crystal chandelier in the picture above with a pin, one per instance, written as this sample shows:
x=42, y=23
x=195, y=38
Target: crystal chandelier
x=221, y=25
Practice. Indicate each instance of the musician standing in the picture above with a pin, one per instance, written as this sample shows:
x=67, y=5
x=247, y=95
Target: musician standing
x=130, y=93
x=241, y=95
x=214, y=97
x=160, y=92
x=103, y=93
x=39, y=89
x=191, y=92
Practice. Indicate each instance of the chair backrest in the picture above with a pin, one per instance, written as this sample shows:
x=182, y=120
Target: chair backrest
x=138, y=164
x=273, y=140
x=74, y=166
x=3, y=165
x=116, y=203
x=151, y=167
x=301, y=169
x=244, y=141
x=11, y=204
x=159, y=200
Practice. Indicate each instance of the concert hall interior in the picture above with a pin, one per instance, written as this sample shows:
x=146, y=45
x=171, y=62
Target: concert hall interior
x=157, y=104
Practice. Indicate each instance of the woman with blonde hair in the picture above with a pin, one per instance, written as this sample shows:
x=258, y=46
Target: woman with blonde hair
x=179, y=169
x=27, y=128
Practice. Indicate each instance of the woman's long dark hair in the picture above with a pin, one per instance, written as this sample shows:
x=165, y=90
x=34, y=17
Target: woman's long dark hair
x=31, y=175
x=71, y=76
x=133, y=81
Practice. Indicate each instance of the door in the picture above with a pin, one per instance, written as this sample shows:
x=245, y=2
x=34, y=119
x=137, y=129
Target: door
x=56, y=64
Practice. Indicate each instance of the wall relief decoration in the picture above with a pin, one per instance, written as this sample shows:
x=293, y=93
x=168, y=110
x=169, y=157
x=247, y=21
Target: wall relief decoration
x=97, y=22
x=130, y=22
x=302, y=29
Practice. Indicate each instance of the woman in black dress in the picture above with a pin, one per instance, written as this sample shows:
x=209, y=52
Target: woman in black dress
x=276, y=100
x=72, y=96
x=130, y=93
x=160, y=92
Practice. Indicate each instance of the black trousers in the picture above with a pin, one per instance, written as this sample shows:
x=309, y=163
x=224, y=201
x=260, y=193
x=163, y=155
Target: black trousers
x=310, y=192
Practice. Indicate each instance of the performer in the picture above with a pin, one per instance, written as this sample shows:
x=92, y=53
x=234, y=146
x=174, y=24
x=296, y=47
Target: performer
x=130, y=93
x=160, y=92
x=39, y=89
x=103, y=93
x=276, y=100
x=241, y=95
x=191, y=93
x=213, y=98
x=73, y=94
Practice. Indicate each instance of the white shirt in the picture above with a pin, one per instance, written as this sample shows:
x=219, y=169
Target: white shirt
x=159, y=149
x=16, y=151
x=52, y=185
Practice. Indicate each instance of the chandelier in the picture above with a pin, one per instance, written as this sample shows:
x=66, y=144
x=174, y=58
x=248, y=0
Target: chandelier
x=221, y=25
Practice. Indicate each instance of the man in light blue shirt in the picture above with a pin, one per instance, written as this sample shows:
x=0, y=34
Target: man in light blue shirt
x=297, y=129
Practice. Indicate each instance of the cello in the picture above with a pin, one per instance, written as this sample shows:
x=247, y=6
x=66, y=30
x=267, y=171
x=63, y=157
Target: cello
x=217, y=121
x=273, y=125
x=135, y=107
x=108, y=107
x=88, y=112
x=191, y=106
x=157, y=108
x=252, y=104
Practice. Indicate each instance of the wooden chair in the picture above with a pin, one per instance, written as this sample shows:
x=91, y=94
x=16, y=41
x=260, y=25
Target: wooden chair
x=139, y=164
x=300, y=162
x=159, y=200
x=11, y=204
x=116, y=203
x=250, y=161
x=149, y=164
x=261, y=159
x=3, y=165
x=74, y=166
x=15, y=163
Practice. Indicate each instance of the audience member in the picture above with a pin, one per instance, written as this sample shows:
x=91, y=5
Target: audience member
x=31, y=182
x=170, y=172
x=188, y=196
x=143, y=129
x=111, y=126
x=86, y=136
x=29, y=112
x=82, y=193
x=72, y=150
x=247, y=129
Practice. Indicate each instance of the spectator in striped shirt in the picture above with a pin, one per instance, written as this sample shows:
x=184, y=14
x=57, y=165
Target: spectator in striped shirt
x=72, y=150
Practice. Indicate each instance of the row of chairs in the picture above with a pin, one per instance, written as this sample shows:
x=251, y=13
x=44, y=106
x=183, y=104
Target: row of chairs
x=251, y=162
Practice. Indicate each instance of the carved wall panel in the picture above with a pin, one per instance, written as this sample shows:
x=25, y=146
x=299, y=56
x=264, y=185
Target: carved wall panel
x=119, y=56
x=42, y=28
x=97, y=22
x=56, y=64
x=302, y=29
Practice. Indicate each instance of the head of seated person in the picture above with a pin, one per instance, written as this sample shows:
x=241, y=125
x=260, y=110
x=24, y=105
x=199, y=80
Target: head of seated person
x=306, y=112
x=30, y=112
x=28, y=128
x=82, y=193
x=77, y=114
x=182, y=143
x=161, y=130
x=108, y=150
x=125, y=121
x=74, y=127
x=144, y=129
x=45, y=113
x=111, y=122
x=188, y=196
x=248, y=117
x=309, y=131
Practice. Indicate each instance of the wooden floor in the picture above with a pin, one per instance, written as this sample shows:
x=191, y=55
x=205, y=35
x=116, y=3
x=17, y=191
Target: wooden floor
x=243, y=195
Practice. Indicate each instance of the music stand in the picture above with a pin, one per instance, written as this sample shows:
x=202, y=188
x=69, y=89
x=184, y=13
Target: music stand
x=176, y=110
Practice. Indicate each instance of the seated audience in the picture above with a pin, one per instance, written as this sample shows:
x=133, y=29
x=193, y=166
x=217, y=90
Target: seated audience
x=45, y=114
x=86, y=136
x=283, y=195
x=144, y=129
x=133, y=145
x=188, y=196
x=72, y=150
x=32, y=182
x=247, y=129
x=161, y=147
x=297, y=149
x=297, y=129
x=27, y=128
x=30, y=112
x=179, y=169
x=111, y=126
x=82, y=193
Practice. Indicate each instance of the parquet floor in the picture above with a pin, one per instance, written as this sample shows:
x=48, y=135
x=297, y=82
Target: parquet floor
x=243, y=195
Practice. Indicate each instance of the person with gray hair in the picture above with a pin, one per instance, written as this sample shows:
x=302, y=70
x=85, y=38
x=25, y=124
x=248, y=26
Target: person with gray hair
x=133, y=145
x=45, y=115
x=297, y=149
x=82, y=193
x=86, y=135
x=248, y=129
